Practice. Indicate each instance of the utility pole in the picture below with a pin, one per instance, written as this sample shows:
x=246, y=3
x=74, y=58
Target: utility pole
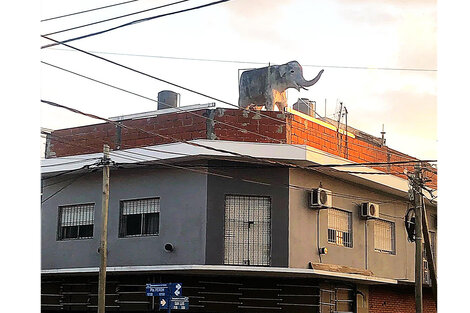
x=419, y=239
x=104, y=233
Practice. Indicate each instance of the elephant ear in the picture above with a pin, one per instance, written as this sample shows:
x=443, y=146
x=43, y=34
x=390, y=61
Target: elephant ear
x=283, y=69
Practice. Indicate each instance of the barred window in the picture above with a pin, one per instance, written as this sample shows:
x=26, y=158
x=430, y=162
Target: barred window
x=76, y=221
x=340, y=227
x=247, y=231
x=140, y=217
x=384, y=236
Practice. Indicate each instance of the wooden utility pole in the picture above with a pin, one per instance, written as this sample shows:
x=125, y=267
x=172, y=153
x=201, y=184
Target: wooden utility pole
x=429, y=255
x=104, y=233
x=419, y=239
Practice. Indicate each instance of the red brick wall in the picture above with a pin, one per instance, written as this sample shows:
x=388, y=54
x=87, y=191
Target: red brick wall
x=309, y=133
x=387, y=299
x=225, y=124
x=141, y=132
x=252, y=127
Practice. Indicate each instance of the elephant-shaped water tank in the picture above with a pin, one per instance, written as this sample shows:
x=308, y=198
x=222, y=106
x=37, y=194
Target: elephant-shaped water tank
x=266, y=86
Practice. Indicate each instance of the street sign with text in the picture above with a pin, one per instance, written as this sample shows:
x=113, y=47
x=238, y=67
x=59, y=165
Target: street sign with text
x=171, y=296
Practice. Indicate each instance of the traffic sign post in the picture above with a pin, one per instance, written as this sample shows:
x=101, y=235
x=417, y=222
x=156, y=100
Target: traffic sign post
x=170, y=296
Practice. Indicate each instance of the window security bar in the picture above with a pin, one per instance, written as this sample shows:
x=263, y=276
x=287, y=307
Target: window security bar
x=76, y=221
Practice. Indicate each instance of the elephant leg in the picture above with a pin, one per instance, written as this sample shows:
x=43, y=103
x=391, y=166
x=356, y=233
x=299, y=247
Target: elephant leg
x=281, y=106
x=242, y=103
x=269, y=101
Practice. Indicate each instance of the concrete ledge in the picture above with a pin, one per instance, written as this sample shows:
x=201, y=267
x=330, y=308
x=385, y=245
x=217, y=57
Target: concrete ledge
x=231, y=270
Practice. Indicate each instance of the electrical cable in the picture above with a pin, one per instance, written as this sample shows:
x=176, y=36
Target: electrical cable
x=135, y=22
x=187, y=142
x=55, y=193
x=296, y=187
x=129, y=68
x=169, y=106
x=86, y=11
x=173, y=139
x=115, y=18
x=256, y=63
x=227, y=176
x=71, y=162
x=119, y=64
x=64, y=180
x=326, y=154
x=182, y=110
x=144, y=148
x=193, y=91
x=63, y=173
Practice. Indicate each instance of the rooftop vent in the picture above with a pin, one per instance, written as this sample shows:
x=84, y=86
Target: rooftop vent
x=305, y=106
x=168, y=99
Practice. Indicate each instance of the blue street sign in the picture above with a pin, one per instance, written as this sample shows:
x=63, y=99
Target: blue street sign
x=176, y=289
x=180, y=303
x=164, y=290
x=163, y=303
x=170, y=296
x=158, y=290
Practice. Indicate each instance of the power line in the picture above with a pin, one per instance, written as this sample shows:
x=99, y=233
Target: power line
x=223, y=123
x=64, y=173
x=182, y=110
x=226, y=176
x=259, y=63
x=200, y=145
x=143, y=148
x=74, y=180
x=64, y=180
x=115, y=18
x=136, y=22
x=375, y=163
x=173, y=139
x=86, y=11
x=162, y=80
x=71, y=162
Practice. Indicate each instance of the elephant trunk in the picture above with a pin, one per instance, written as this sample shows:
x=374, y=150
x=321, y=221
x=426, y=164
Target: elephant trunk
x=308, y=83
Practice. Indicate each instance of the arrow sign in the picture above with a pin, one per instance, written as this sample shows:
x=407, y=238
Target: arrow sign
x=176, y=290
x=163, y=303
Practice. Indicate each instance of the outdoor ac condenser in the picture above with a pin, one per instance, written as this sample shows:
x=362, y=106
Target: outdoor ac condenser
x=370, y=210
x=320, y=198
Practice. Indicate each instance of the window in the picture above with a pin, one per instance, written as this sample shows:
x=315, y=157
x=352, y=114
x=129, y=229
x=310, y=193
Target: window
x=384, y=236
x=76, y=221
x=340, y=227
x=247, y=230
x=140, y=217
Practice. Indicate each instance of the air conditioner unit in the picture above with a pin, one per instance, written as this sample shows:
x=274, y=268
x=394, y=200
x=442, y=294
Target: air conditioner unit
x=369, y=210
x=320, y=198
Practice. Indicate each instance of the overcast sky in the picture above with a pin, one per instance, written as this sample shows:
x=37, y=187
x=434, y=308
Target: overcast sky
x=322, y=34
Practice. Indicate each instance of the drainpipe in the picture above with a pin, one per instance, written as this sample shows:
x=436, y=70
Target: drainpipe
x=366, y=246
x=318, y=234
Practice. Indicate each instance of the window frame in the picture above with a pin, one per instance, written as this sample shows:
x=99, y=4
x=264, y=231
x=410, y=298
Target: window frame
x=269, y=257
x=122, y=231
x=393, y=238
x=59, y=221
x=350, y=229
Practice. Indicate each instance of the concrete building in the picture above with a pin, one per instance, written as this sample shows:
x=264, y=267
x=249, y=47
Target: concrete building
x=221, y=201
